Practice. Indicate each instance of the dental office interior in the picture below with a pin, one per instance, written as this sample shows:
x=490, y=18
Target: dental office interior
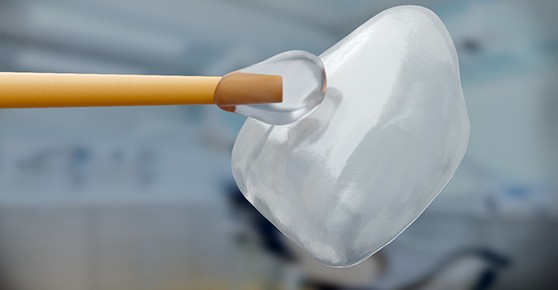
x=131, y=198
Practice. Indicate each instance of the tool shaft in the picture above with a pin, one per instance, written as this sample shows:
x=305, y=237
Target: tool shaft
x=41, y=90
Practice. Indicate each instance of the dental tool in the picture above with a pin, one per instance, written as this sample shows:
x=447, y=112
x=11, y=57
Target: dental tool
x=278, y=91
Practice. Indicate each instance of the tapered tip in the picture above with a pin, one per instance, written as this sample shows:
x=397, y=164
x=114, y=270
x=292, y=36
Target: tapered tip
x=239, y=88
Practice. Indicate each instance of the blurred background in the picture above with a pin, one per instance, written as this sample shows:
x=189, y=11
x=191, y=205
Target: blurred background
x=143, y=198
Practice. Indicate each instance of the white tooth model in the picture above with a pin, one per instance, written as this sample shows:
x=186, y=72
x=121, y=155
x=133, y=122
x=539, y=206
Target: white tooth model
x=348, y=178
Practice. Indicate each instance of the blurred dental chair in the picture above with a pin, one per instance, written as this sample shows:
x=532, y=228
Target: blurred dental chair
x=467, y=269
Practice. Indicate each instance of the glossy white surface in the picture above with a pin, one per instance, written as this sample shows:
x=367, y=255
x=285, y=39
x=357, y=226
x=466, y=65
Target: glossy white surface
x=393, y=127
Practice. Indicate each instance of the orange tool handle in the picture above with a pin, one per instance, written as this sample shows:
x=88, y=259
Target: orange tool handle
x=41, y=90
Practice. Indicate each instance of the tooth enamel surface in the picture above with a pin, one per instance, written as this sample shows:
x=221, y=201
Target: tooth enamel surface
x=392, y=129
